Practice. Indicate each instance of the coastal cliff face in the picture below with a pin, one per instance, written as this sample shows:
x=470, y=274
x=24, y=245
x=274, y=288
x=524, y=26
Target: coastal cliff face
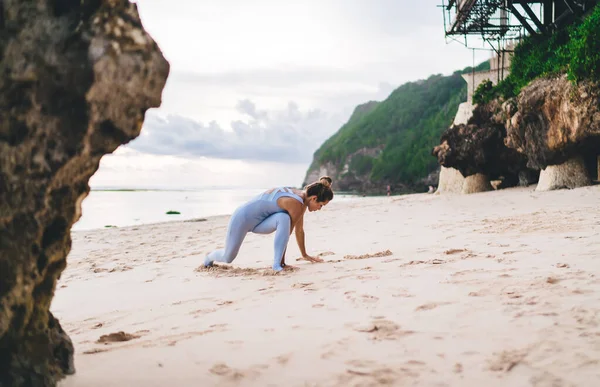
x=389, y=143
x=77, y=78
x=346, y=178
x=343, y=178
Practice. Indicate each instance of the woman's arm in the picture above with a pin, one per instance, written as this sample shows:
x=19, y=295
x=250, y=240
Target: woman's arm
x=300, y=236
x=296, y=212
x=300, y=239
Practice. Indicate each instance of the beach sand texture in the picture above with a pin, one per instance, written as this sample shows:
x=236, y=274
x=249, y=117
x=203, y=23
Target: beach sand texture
x=493, y=289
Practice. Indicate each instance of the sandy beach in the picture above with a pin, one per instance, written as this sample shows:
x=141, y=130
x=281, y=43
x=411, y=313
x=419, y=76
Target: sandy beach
x=492, y=289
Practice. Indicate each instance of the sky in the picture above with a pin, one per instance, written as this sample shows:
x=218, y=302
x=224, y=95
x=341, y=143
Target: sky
x=257, y=86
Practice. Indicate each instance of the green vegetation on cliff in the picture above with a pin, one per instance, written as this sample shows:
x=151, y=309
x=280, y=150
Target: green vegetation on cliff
x=404, y=127
x=574, y=50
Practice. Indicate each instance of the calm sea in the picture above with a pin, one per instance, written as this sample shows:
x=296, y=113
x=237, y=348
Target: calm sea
x=103, y=208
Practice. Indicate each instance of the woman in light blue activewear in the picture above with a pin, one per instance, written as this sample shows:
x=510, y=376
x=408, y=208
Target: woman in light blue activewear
x=278, y=210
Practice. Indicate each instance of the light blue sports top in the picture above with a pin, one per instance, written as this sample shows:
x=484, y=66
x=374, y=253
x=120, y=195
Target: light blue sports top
x=280, y=192
x=265, y=204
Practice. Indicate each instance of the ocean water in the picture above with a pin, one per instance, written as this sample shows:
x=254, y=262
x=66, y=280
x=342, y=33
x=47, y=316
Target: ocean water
x=121, y=208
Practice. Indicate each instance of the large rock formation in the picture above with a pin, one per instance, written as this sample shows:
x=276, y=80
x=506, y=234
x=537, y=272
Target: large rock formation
x=76, y=80
x=556, y=124
x=477, y=148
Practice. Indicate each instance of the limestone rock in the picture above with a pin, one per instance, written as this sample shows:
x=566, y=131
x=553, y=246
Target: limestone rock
x=451, y=181
x=464, y=113
x=570, y=174
x=478, y=147
x=476, y=183
x=76, y=80
x=553, y=120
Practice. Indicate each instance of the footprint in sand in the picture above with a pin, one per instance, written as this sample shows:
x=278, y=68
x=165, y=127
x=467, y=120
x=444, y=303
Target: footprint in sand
x=455, y=251
x=458, y=368
x=379, y=376
x=171, y=340
x=220, y=369
x=199, y=312
x=332, y=349
x=307, y=286
x=368, y=373
x=586, y=317
x=410, y=263
x=431, y=305
x=506, y=360
x=479, y=293
x=403, y=295
x=513, y=295
x=546, y=379
x=283, y=359
x=383, y=329
x=301, y=285
x=361, y=298
x=224, y=370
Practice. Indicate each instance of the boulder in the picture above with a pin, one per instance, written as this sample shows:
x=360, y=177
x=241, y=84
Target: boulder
x=477, y=147
x=554, y=121
x=76, y=80
x=476, y=183
x=570, y=174
x=451, y=181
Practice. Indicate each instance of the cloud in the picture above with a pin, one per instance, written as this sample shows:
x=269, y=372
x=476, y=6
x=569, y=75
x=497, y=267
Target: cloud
x=128, y=168
x=289, y=135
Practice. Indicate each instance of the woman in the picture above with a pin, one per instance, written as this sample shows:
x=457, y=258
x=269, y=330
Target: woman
x=280, y=210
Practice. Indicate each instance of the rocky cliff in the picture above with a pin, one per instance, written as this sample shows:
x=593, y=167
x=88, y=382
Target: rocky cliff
x=390, y=142
x=76, y=80
x=477, y=147
x=549, y=134
x=556, y=123
x=336, y=170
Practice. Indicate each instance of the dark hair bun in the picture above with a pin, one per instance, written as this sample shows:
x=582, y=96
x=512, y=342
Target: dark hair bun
x=326, y=181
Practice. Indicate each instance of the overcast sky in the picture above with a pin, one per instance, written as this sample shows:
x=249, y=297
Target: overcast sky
x=256, y=86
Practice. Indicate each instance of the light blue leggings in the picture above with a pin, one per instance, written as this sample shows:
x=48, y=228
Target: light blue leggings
x=241, y=224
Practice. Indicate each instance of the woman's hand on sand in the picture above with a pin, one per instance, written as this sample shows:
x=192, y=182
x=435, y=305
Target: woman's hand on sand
x=311, y=259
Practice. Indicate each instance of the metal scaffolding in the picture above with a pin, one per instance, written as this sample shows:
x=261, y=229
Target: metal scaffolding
x=503, y=23
x=491, y=19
